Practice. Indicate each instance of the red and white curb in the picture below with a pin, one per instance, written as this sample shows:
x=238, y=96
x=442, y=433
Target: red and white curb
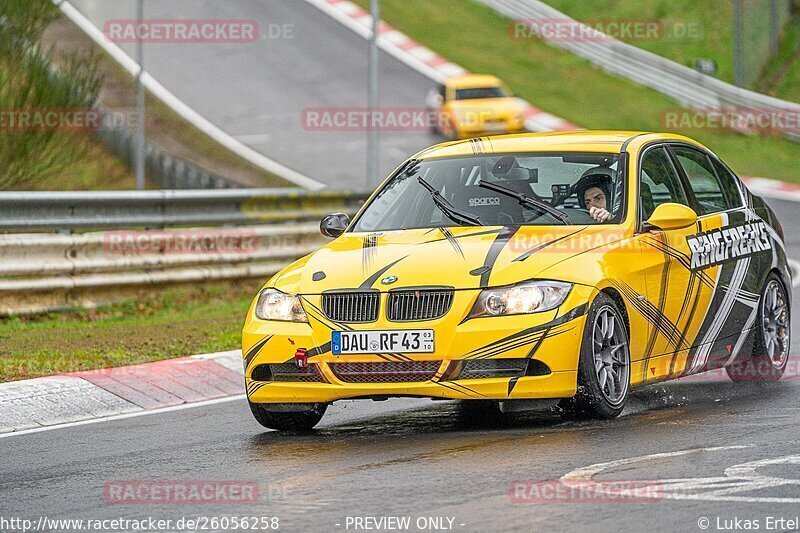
x=112, y=392
x=423, y=59
x=769, y=188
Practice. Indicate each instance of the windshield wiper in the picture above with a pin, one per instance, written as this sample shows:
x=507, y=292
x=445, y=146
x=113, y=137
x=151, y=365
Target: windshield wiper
x=447, y=208
x=526, y=200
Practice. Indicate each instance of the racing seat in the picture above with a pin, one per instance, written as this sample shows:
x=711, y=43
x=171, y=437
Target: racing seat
x=493, y=208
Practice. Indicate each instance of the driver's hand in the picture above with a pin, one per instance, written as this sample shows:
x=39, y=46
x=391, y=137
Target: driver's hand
x=599, y=214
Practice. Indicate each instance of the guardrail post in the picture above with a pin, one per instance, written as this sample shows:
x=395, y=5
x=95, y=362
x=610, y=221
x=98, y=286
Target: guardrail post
x=738, y=60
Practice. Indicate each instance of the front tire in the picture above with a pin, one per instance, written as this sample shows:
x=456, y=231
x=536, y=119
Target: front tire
x=287, y=417
x=604, y=365
x=772, y=337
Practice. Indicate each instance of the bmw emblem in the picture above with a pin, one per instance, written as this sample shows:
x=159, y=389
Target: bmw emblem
x=388, y=280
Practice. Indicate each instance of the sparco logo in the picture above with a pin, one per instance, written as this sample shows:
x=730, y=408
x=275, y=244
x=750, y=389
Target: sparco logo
x=477, y=202
x=721, y=245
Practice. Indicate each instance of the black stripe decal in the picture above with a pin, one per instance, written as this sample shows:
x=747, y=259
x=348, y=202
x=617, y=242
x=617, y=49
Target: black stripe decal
x=317, y=350
x=682, y=258
x=459, y=385
x=320, y=317
x=494, y=252
x=449, y=386
x=452, y=240
x=540, y=247
x=530, y=333
x=368, y=251
x=662, y=301
x=254, y=351
x=370, y=281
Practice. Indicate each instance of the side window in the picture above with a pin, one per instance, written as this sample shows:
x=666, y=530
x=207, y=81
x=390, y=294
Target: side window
x=659, y=182
x=729, y=184
x=442, y=91
x=702, y=180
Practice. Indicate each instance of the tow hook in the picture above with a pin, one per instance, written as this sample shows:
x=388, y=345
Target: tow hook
x=301, y=358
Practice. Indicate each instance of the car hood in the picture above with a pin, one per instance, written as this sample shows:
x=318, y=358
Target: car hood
x=460, y=257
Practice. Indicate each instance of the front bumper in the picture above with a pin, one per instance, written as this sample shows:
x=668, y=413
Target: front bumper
x=552, y=339
x=466, y=131
x=554, y=385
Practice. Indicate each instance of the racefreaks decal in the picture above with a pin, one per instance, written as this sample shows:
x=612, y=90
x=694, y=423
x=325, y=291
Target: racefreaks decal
x=726, y=244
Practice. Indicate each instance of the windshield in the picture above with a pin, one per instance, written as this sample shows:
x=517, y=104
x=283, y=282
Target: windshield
x=574, y=184
x=480, y=92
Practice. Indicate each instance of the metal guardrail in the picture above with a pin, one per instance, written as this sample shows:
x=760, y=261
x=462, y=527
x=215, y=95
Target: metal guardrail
x=169, y=171
x=67, y=211
x=48, y=272
x=233, y=234
x=689, y=87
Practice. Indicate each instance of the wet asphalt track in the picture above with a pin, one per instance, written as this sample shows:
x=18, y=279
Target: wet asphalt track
x=419, y=458
x=257, y=92
x=413, y=458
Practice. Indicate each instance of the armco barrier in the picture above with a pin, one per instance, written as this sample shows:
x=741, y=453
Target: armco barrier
x=687, y=86
x=168, y=171
x=244, y=234
x=44, y=272
x=65, y=211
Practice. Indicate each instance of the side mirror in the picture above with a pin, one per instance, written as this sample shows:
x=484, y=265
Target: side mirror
x=671, y=216
x=334, y=225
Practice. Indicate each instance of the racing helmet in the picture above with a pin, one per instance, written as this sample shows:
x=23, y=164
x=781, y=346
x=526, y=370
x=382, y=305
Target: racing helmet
x=600, y=177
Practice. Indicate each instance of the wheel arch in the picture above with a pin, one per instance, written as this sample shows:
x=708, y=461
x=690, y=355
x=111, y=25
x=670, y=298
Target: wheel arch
x=615, y=295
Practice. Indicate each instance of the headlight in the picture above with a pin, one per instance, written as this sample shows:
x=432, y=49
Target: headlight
x=273, y=304
x=520, y=299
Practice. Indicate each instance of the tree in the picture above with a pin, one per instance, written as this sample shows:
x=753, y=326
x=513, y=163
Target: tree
x=44, y=110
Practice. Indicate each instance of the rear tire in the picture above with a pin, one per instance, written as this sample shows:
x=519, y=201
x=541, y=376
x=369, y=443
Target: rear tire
x=284, y=420
x=772, y=332
x=604, y=365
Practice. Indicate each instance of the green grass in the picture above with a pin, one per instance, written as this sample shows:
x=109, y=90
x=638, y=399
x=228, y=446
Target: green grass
x=174, y=323
x=710, y=22
x=479, y=39
x=782, y=76
x=99, y=170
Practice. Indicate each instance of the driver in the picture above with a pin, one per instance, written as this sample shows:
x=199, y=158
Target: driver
x=594, y=193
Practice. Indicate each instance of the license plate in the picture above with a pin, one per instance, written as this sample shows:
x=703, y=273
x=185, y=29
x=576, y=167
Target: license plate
x=494, y=126
x=394, y=341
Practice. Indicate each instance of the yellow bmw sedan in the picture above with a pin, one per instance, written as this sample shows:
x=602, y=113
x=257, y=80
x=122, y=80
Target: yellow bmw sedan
x=551, y=270
x=475, y=104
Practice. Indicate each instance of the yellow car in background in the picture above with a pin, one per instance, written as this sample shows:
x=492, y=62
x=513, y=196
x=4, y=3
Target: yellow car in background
x=535, y=270
x=474, y=105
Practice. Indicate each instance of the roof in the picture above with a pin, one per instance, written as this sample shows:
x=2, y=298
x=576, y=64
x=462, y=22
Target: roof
x=473, y=80
x=570, y=141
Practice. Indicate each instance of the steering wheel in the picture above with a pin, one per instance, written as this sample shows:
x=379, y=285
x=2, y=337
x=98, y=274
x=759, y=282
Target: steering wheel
x=579, y=215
